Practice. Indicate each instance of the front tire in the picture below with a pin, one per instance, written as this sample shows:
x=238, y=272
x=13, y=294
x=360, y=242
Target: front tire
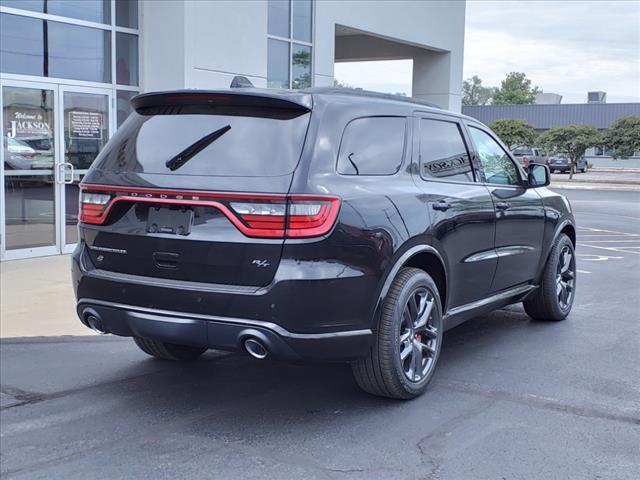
x=554, y=298
x=168, y=351
x=403, y=357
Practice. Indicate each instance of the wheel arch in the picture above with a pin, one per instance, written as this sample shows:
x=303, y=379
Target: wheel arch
x=424, y=257
x=569, y=230
x=566, y=227
x=431, y=263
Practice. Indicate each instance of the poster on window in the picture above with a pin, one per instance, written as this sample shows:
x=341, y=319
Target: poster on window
x=85, y=125
x=24, y=123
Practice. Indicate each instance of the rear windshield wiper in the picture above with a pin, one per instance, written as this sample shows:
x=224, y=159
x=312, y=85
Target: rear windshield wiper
x=192, y=150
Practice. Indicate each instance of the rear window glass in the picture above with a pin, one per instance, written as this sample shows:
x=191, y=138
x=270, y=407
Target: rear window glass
x=522, y=151
x=372, y=146
x=443, y=153
x=251, y=147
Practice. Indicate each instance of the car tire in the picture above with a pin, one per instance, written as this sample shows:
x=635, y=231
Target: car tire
x=554, y=297
x=584, y=169
x=168, y=351
x=410, y=321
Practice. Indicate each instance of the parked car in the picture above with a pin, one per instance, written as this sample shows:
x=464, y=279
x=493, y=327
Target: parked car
x=527, y=155
x=17, y=154
x=20, y=155
x=314, y=225
x=562, y=163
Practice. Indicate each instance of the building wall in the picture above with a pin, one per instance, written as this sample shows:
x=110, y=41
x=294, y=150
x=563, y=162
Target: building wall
x=543, y=117
x=433, y=30
x=162, y=45
x=200, y=44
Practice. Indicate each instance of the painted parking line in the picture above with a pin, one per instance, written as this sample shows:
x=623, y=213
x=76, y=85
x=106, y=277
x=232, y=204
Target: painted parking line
x=597, y=235
x=591, y=257
x=609, y=240
x=610, y=249
x=637, y=240
x=582, y=271
x=594, y=232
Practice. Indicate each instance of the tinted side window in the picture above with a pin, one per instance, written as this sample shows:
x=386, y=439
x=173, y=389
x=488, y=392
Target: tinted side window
x=372, y=146
x=443, y=154
x=497, y=167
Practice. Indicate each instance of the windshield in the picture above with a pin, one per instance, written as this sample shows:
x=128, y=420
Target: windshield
x=249, y=147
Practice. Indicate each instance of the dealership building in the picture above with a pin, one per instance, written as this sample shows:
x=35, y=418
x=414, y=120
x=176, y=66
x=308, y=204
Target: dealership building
x=68, y=69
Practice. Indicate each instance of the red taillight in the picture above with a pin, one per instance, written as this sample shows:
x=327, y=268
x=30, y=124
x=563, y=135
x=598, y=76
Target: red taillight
x=306, y=216
x=93, y=206
x=255, y=215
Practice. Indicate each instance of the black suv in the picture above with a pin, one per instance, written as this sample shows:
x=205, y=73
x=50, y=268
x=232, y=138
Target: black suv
x=317, y=225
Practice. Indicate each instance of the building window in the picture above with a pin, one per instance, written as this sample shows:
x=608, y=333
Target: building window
x=127, y=13
x=290, y=46
x=94, y=41
x=126, y=59
x=123, y=105
x=89, y=10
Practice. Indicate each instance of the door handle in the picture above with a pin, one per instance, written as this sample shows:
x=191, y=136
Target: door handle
x=60, y=173
x=441, y=206
x=502, y=205
x=64, y=175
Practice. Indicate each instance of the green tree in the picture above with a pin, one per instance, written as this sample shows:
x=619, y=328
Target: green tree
x=473, y=93
x=515, y=89
x=513, y=132
x=623, y=137
x=301, y=65
x=573, y=141
x=338, y=84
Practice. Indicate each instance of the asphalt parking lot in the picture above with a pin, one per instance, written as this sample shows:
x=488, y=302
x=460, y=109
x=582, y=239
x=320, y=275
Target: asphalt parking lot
x=511, y=398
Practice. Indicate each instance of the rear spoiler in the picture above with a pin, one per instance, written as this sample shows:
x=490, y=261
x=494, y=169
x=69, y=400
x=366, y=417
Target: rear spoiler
x=222, y=101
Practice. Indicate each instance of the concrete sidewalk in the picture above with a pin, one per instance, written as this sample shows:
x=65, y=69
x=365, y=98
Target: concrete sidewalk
x=599, y=179
x=36, y=298
x=602, y=176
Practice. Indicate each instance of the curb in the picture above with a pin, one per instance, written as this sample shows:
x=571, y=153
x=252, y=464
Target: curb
x=615, y=170
x=598, y=186
x=604, y=182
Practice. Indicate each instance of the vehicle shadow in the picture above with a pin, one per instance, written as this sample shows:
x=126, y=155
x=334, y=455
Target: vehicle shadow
x=230, y=394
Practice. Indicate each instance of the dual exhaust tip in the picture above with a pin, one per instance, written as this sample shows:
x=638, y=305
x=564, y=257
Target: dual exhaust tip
x=256, y=348
x=94, y=322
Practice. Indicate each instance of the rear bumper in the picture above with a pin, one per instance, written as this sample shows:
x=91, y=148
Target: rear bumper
x=222, y=317
x=224, y=333
x=561, y=168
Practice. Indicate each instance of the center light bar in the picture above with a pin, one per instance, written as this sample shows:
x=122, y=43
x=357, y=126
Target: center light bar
x=255, y=215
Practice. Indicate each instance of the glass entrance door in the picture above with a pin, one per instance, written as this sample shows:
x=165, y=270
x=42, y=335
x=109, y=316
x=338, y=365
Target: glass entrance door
x=50, y=136
x=28, y=214
x=86, y=129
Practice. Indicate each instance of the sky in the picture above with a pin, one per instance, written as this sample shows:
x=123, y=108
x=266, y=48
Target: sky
x=566, y=47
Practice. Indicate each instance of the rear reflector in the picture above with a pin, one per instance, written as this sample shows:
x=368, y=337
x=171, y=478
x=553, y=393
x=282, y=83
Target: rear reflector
x=255, y=215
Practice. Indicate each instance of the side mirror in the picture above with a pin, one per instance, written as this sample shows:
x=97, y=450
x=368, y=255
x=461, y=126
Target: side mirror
x=539, y=175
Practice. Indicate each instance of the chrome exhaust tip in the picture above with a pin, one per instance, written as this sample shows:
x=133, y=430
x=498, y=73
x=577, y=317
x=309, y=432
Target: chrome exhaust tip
x=255, y=348
x=94, y=323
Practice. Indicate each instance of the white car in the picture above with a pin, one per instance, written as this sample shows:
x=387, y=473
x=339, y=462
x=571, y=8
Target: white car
x=18, y=155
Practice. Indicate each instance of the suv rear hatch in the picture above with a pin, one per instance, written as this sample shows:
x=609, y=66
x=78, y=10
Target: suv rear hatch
x=194, y=186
